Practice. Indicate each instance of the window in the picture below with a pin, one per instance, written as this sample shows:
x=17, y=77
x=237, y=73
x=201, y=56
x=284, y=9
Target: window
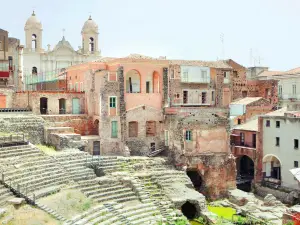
x=70, y=87
x=188, y=135
x=166, y=138
x=112, y=102
x=133, y=129
x=226, y=74
x=185, y=76
x=81, y=87
x=33, y=42
x=112, y=76
x=70, y=78
x=296, y=143
x=280, y=90
x=177, y=95
x=212, y=96
x=242, y=139
x=277, y=124
x=147, y=86
x=91, y=45
x=244, y=94
x=150, y=128
x=34, y=70
x=267, y=92
x=294, y=89
x=254, y=140
x=204, y=75
x=185, y=97
x=10, y=62
x=267, y=123
x=239, y=121
x=172, y=74
x=235, y=74
x=296, y=164
x=203, y=97
x=1, y=48
x=277, y=141
x=114, y=129
x=76, y=87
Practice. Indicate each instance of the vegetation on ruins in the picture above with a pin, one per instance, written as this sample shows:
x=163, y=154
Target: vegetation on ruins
x=48, y=150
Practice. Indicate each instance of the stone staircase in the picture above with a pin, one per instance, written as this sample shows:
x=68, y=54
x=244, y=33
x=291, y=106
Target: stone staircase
x=31, y=125
x=5, y=195
x=99, y=214
x=109, y=164
x=155, y=193
x=167, y=178
x=30, y=171
x=106, y=191
x=75, y=163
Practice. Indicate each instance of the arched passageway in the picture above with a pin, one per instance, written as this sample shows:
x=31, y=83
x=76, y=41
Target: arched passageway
x=133, y=82
x=271, y=167
x=195, y=178
x=189, y=210
x=43, y=105
x=245, y=172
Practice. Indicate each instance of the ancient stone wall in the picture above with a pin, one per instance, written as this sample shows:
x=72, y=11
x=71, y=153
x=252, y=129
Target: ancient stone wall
x=82, y=124
x=212, y=160
x=140, y=144
x=21, y=100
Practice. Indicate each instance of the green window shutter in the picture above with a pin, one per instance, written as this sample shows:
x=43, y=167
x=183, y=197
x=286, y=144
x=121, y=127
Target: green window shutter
x=112, y=102
x=188, y=135
x=114, y=129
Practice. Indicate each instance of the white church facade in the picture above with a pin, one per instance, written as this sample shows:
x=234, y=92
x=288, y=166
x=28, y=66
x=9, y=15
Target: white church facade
x=40, y=64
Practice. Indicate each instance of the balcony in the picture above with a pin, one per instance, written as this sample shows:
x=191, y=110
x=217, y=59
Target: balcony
x=239, y=150
x=198, y=80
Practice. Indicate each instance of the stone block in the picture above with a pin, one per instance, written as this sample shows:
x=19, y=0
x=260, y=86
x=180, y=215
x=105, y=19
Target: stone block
x=16, y=201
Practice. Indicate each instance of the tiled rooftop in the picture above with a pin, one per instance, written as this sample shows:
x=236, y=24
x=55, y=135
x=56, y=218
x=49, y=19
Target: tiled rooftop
x=251, y=125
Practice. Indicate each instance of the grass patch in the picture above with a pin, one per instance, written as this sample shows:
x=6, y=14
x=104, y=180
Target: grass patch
x=27, y=215
x=48, y=150
x=68, y=203
x=223, y=212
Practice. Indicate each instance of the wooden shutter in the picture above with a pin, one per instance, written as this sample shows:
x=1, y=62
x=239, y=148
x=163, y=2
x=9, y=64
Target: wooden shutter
x=114, y=129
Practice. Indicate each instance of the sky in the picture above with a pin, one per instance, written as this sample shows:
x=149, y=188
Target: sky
x=177, y=29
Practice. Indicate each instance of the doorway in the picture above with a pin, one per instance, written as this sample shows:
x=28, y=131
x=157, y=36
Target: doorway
x=152, y=147
x=62, y=106
x=75, y=106
x=43, y=105
x=96, y=148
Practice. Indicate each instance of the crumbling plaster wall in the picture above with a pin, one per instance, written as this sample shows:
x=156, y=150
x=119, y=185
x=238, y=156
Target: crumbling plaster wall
x=21, y=100
x=9, y=93
x=140, y=145
x=210, y=165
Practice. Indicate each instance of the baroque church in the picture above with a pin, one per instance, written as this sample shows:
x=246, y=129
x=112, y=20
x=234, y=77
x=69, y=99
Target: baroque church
x=43, y=63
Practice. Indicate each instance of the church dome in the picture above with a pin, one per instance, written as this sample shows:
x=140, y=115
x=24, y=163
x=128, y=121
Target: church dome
x=90, y=25
x=33, y=22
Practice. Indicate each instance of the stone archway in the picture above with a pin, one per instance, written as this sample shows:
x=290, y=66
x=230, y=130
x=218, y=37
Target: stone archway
x=189, y=210
x=196, y=179
x=133, y=82
x=272, y=167
x=245, y=172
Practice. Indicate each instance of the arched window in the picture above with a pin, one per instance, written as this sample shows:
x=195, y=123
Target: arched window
x=34, y=70
x=91, y=44
x=33, y=41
